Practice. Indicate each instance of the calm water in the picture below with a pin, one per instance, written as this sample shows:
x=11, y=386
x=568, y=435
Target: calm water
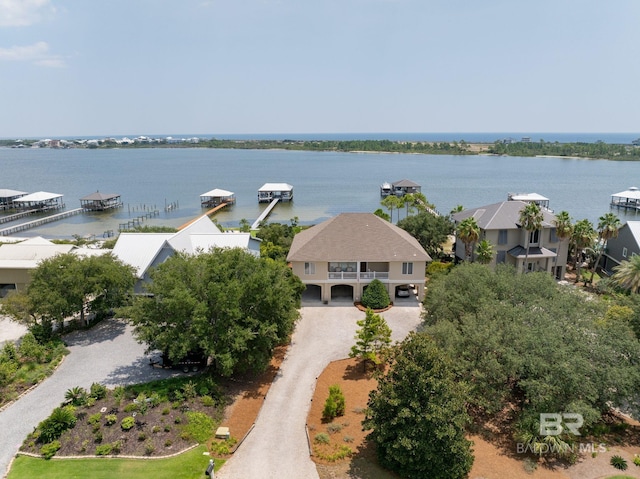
x=325, y=184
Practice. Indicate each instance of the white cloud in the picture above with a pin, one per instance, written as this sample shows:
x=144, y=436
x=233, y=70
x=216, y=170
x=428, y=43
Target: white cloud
x=38, y=53
x=20, y=13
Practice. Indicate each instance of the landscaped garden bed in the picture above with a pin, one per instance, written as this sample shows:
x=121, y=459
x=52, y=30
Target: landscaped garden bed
x=153, y=419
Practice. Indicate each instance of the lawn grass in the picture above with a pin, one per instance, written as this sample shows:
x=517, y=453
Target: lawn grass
x=189, y=465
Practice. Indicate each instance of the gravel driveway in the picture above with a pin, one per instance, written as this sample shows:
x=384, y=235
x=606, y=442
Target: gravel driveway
x=277, y=446
x=107, y=354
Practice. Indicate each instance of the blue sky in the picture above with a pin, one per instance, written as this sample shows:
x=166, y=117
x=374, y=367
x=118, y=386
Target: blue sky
x=116, y=67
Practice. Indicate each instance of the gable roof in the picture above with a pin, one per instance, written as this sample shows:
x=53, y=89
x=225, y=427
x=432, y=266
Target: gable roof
x=276, y=187
x=217, y=193
x=356, y=236
x=5, y=193
x=140, y=249
x=501, y=216
x=38, y=196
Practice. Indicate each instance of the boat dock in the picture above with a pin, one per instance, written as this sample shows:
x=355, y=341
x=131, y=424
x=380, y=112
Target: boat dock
x=264, y=214
x=41, y=221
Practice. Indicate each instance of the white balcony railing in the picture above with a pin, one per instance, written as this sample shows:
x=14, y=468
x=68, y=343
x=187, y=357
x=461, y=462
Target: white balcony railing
x=343, y=275
x=375, y=275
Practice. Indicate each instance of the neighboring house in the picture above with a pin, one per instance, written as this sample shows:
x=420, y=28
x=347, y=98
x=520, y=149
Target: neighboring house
x=622, y=248
x=18, y=260
x=500, y=225
x=338, y=258
x=145, y=251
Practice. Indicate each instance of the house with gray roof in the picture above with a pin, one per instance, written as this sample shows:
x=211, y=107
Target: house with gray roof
x=338, y=258
x=145, y=251
x=500, y=225
x=622, y=248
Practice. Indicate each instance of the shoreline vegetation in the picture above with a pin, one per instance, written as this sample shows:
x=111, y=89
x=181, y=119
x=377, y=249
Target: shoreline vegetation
x=597, y=150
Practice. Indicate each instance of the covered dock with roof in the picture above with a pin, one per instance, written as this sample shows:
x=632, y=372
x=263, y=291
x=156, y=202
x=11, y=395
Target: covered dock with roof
x=404, y=187
x=217, y=197
x=7, y=197
x=628, y=199
x=541, y=201
x=275, y=191
x=100, y=201
x=41, y=201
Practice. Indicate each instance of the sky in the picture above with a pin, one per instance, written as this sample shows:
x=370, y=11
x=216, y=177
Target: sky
x=215, y=67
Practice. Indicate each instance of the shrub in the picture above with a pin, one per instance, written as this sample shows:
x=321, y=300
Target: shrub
x=636, y=460
x=208, y=401
x=95, y=418
x=77, y=396
x=97, y=437
x=166, y=411
x=375, y=296
x=127, y=423
x=155, y=429
x=334, y=404
x=189, y=390
x=103, y=450
x=110, y=419
x=142, y=436
x=98, y=391
x=339, y=452
x=116, y=447
x=321, y=438
x=61, y=419
x=333, y=428
x=91, y=401
x=132, y=407
x=177, y=420
x=619, y=462
x=167, y=443
x=199, y=426
x=167, y=428
x=348, y=439
x=49, y=450
x=149, y=448
x=30, y=349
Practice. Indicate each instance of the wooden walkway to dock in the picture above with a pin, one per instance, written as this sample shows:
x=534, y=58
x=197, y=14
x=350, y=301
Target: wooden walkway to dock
x=17, y=216
x=213, y=210
x=40, y=221
x=264, y=214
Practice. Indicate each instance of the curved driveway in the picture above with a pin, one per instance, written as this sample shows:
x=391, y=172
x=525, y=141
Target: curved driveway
x=277, y=446
x=106, y=354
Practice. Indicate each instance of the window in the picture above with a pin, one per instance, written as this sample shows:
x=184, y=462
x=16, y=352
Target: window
x=502, y=236
x=501, y=257
x=309, y=268
x=624, y=252
x=553, y=237
x=534, y=237
x=407, y=268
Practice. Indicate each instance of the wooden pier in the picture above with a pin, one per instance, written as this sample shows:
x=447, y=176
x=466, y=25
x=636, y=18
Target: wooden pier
x=17, y=216
x=210, y=212
x=135, y=222
x=264, y=214
x=41, y=221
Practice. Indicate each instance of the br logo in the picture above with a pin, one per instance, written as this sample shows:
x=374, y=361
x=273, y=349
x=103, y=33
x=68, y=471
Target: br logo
x=552, y=424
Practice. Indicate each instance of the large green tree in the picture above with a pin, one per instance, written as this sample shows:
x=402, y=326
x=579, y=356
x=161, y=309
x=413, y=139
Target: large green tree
x=66, y=285
x=276, y=240
x=392, y=202
x=627, y=274
x=418, y=414
x=234, y=307
x=430, y=231
x=524, y=340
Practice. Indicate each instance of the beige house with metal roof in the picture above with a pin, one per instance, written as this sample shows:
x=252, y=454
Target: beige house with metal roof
x=338, y=258
x=500, y=225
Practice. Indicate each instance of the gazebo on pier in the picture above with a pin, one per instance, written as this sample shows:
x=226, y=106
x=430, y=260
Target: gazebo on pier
x=100, y=201
x=272, y=191
x=216, y=197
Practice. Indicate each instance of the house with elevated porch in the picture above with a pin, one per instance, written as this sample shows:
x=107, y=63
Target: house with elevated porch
x=338, y=258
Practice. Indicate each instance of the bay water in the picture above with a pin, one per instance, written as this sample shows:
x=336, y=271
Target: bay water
x=325, y=183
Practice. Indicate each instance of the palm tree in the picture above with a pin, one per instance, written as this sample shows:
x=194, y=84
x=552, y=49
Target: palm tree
x=484, y=251
x=627, y=274
x=531, y=219
x=409, y=202
x=608, y=227
x=564, y=229
x=468, y=231
x=391, y=202
x=456, y=209
x=583, y=236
